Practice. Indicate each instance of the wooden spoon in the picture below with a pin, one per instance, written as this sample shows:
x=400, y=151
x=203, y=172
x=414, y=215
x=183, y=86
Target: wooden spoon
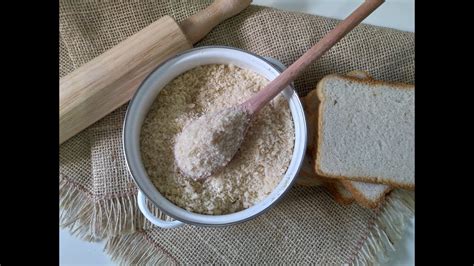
x=209, y=143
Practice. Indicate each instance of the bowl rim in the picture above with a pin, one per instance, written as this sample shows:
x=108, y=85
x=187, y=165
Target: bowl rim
x=144, y=190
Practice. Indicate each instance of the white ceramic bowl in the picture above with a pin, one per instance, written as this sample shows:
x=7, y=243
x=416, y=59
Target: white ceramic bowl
x=145, y=96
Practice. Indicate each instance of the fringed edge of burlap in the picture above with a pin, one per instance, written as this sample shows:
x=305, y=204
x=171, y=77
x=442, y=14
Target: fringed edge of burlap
x=384, y=232
x=387, y=229
x=95, y=220
x=137, y=249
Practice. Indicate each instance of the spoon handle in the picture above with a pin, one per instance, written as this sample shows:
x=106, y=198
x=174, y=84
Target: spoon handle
x=255, y=103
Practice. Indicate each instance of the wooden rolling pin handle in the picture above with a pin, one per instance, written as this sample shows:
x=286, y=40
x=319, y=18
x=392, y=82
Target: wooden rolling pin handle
x=105, y=83
x=200, y=24
x=259, y=100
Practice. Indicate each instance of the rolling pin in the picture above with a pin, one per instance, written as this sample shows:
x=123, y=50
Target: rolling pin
x=108, y=81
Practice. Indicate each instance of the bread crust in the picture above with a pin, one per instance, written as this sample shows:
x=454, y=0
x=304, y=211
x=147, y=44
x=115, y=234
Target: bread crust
x=332, y=187
x=310, y=105
x=318, y=141
x=360, y=197
x=307, y=177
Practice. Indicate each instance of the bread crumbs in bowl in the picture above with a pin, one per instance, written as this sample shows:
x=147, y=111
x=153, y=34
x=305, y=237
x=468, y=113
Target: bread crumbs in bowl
x=184, y=88
x=258, y=166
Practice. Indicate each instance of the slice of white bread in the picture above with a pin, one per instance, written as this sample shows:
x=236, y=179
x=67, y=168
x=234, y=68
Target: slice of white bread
x=367, y=194
x=311, y=107
x=365, y=131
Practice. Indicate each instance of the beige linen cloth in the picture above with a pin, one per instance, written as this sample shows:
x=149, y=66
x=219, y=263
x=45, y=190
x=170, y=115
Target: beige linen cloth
x=98, y=196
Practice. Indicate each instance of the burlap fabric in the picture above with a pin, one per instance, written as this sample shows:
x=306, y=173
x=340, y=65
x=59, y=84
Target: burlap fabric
x=98, y=197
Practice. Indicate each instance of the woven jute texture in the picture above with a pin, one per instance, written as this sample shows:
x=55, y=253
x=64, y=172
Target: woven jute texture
x=98, y=196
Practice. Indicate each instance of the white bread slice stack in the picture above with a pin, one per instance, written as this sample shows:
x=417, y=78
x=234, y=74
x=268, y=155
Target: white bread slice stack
x=366, y=131
x=342, y=189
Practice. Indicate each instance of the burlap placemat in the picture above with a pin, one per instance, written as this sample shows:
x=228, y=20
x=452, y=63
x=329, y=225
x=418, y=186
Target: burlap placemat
x=98, y=196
